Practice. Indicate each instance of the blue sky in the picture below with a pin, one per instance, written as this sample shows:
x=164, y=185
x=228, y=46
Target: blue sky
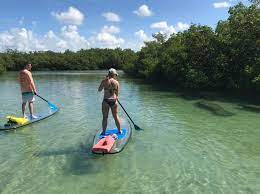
x=74, y=24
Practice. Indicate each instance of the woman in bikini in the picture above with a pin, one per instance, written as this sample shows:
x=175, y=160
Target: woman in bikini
x=111, y=91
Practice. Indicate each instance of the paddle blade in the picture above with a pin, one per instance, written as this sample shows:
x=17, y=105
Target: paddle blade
x=52, y=106
x=137, y=128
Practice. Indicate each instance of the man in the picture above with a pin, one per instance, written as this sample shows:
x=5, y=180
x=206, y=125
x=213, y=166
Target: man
x=111, y=92
x=28, y=89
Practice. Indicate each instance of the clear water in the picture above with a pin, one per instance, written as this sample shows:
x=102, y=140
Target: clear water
x=183, y=149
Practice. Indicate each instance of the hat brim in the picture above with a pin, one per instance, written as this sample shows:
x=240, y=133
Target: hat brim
x=112, y=73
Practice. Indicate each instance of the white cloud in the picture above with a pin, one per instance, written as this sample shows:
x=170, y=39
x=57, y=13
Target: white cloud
x=49, y=42
x=164, y=28
x=72, y=38
x=25, y=40
x=69, y=37
x=71, y=17
x=143, y=11
x=50, y=35
x=106, y=38
x=112, y=17
x=110, y=29
x=62, y=44
x=223, y=4
x=159, y=25
x=20, y=39
x=182, y=26
x=142, y=36
x=132, y=44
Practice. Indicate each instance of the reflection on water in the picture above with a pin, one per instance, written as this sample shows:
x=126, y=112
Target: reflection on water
x=183, y=149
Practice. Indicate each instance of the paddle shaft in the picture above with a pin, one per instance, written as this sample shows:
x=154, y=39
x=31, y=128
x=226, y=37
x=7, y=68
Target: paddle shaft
x=125, y=111
x=42, y=98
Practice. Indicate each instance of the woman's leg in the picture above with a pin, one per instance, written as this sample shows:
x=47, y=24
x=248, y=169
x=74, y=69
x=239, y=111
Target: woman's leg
x=105, y=111
x=116, y=117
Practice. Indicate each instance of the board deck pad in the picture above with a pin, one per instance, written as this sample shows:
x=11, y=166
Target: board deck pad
x=121, y=141
x=114, y=131
x=40, y=116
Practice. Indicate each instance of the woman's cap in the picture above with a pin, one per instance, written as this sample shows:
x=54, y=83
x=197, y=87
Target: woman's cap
x=112, y=71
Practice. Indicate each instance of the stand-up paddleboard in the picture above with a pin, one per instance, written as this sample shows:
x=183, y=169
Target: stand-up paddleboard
x=102, y=143
x=13, y=125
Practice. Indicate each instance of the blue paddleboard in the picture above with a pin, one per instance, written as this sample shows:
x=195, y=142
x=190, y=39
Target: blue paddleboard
x=121, y=140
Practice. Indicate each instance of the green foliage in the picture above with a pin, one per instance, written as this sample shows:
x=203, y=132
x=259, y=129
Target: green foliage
x=200, y=57
x=239, y=42
x=2, y=68
x=255, y=2
x=2, y=65
x=82, y=60
x=149, y=58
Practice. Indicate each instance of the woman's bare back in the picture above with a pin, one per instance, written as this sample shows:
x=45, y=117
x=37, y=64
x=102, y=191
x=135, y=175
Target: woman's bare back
x=111, y=87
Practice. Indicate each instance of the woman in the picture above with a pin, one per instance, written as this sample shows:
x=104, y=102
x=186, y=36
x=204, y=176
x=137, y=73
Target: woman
x=111, y=91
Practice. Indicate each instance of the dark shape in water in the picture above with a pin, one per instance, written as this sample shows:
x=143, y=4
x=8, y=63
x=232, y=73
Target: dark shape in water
x=251, y=107
x=197, y=95
x=214, y=108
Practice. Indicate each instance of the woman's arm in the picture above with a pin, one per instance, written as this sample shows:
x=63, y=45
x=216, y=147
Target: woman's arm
x=117, y=91
x=101, y=86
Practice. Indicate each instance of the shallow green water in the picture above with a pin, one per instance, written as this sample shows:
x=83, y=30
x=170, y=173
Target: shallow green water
x=183, y=149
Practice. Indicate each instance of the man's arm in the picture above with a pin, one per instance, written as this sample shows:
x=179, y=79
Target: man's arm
x=32, y=83
x=100, y=88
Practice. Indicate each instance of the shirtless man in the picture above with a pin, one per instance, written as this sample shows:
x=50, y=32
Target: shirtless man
x=28, y=89
x=111, y=91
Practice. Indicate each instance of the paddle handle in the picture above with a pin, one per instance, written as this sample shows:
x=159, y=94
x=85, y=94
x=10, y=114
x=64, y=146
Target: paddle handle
x=125, y=111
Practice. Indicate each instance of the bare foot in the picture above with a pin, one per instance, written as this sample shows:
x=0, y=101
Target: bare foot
x=33, y=117
x=114, y=136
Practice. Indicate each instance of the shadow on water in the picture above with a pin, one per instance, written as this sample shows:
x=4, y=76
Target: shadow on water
x=231, y=96
x=244, y=100
x=5, y=133
x=213, y=107
x=214, y=96
x=249, y=107
x=61, y=152
x=80, y=160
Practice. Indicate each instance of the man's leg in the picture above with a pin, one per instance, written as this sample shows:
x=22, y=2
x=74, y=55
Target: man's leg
x=31, y=100
x=31, y=109
x=23, y=109
x=116, y=117
x=105, y=111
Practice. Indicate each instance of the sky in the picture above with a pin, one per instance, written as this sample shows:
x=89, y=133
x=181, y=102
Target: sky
x=58, y=25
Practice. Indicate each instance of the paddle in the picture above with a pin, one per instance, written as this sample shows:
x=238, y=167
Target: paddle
x=136, y=127
x=52, y=106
